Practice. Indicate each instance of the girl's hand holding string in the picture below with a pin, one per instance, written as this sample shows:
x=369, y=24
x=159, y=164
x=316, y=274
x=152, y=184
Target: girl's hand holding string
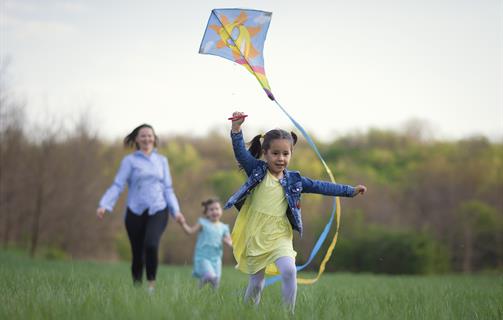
x=237, y=120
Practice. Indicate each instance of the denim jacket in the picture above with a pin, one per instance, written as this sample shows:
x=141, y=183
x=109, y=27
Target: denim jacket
x=293, y=183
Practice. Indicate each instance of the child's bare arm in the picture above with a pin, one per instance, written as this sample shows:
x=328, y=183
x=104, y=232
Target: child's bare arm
x=228, y=240
x=191, y=230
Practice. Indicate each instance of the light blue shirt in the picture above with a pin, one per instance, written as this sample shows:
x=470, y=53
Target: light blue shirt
x=149, y=184
x=209, y=248
x=209, y=239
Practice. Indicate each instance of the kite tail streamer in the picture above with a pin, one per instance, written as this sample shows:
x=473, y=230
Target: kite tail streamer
x=335, y=212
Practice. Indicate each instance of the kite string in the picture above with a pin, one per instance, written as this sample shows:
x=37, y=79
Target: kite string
x=336, y=206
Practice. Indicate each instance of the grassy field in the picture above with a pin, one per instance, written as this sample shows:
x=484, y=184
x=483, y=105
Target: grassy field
x=41, y=289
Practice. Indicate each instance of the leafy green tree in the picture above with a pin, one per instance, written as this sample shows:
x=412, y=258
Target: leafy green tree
x=226, y=182
x=476, y=219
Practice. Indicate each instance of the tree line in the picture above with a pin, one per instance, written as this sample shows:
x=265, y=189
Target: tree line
x=432, y=206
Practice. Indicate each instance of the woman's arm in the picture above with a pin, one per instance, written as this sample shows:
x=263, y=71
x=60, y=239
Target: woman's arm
x=110, y=197
x=169, y=192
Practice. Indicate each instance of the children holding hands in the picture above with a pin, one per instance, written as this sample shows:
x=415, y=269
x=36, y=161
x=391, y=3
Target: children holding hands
x=269, y=210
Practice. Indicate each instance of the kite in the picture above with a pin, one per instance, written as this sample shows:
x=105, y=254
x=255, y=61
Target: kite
x=239, y=35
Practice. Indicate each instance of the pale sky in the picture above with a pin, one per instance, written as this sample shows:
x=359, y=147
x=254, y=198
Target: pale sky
x=336, y=66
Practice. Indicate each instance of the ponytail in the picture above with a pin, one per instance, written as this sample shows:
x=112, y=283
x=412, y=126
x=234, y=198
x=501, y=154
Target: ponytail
x=256, y=147
x=294, y=137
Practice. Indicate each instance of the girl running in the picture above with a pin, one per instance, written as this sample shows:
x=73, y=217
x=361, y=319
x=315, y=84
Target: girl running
x=209, y=250
x=269, y=209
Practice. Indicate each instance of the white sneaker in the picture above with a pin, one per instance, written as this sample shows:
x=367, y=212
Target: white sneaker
x=150, y=290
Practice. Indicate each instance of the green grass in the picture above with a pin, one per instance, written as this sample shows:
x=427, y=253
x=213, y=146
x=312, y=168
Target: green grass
x=41, y=289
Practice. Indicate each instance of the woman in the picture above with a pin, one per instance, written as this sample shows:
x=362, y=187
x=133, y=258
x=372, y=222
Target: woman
x=150, y=198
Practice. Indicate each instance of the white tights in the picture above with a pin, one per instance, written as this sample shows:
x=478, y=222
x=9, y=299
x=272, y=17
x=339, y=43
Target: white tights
x=210, y=278
x=286, y=266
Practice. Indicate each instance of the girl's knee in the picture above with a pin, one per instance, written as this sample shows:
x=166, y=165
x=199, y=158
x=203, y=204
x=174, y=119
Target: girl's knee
x=290, y=272
x=257, y=286
x=209, y=276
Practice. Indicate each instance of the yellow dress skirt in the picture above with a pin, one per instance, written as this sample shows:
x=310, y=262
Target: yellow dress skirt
x=262, y=232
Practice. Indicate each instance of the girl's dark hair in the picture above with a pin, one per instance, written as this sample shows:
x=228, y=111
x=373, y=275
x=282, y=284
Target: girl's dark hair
x=209, y=202
x=130, y=139
x=256, y=148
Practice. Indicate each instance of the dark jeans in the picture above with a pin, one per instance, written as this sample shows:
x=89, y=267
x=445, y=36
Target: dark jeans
x=144, y=234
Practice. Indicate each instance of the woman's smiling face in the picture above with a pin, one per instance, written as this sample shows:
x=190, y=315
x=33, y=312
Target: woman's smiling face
x=145, y=139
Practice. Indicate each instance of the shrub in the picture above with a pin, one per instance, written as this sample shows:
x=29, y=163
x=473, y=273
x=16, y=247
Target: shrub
x=53, y=253
x=390, y=251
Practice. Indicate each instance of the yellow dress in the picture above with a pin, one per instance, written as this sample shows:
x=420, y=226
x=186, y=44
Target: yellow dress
x=262, y=232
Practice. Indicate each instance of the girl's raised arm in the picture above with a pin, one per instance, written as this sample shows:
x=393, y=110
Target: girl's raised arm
x=243, y=156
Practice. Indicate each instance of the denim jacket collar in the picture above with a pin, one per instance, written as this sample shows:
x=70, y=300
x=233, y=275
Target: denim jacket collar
x=291, y=183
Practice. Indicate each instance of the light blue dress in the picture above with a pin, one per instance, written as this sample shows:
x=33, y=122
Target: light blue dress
x=209, y=248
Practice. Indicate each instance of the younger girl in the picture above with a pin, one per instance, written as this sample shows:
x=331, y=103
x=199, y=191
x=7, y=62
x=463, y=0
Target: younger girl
x=208, y=252
x=269, y=209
